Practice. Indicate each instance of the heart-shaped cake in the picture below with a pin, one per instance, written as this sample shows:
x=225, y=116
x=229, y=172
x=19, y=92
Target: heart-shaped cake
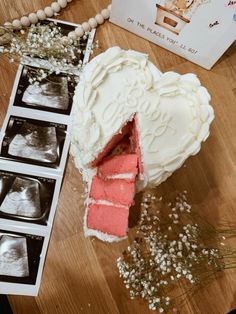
x=131, y=120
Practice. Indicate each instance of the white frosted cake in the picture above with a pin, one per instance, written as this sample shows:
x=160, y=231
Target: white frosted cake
x=126, y=111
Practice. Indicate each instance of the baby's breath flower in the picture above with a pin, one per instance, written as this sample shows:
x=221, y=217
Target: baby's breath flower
x=171, y=246
x=46, y=42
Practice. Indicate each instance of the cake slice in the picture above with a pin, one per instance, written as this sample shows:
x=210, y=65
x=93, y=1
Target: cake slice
x=117, y=191
x=108, y=219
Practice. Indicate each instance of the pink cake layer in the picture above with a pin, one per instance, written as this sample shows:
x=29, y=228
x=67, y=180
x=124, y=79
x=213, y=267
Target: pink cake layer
x=108, y=219
x=120, y=164
x=117, y=191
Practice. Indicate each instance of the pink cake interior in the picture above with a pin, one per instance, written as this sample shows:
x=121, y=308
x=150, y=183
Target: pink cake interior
x=121, y=156
x=119, y=164
x=110, y=145
x=122, y=148
x=117, y=191
x=125, y=141
x=108, y=219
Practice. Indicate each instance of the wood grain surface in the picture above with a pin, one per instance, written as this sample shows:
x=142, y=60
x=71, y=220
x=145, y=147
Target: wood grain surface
x=80, y=274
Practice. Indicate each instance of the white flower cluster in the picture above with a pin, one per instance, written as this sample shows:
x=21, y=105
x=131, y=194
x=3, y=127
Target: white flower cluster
x=46, y=42
x=170, y=247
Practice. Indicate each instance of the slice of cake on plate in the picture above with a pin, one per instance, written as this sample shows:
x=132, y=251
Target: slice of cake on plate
x=132, y=121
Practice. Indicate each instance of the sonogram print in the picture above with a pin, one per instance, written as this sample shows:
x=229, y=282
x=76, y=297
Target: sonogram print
x=13, y=256
x=26, y=198
x=20, y=256
x=52, y=93
x=23, y=199
x=35, y=142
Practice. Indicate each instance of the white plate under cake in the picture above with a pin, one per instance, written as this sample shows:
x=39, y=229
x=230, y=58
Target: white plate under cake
x=133, y=126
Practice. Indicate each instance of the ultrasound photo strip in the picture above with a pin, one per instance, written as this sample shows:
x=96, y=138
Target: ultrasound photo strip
x=22, y=257
x=53, y=94
x=28, y=199
x=33, y=141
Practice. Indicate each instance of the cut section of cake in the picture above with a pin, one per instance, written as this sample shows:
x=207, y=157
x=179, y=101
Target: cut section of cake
x=124, y=105
x=111, y=193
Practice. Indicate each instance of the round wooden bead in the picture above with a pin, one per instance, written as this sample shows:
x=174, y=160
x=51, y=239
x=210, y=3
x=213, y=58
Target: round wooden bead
x=105, y=13
x=33, y=18
x=55, y=6
x=86, y=26
x=79, y=31
x=25, y=21
x=99, y=18
x=92, y=22
x=41, y=15
x=62, y=3
x=109, y=7
x=72, y=35
x=16, y=23
x=49, y=11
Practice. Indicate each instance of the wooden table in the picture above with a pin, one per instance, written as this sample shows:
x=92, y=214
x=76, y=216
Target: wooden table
x=80, y=274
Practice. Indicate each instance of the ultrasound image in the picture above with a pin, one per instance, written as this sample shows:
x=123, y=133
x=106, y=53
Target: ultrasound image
x=35, y=142
x=53, y=94
x=20, y=256
x=13, y=256
x=23, y=199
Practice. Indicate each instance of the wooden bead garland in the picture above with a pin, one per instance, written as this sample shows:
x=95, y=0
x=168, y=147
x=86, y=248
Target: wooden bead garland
x=55, y=7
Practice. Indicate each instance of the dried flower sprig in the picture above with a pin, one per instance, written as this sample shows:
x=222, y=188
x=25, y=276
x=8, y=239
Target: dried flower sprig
x=36, y=76
x=45, y=41
x=174, y=247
